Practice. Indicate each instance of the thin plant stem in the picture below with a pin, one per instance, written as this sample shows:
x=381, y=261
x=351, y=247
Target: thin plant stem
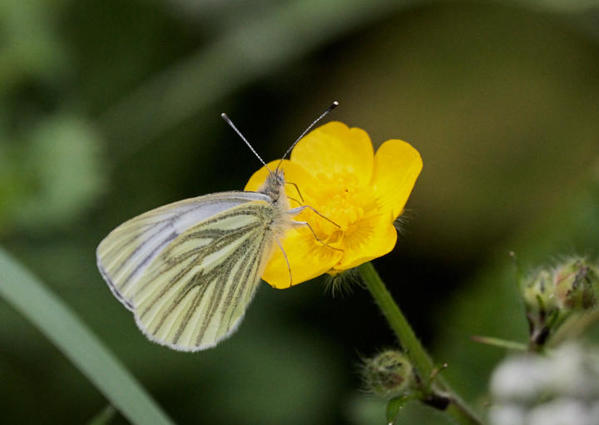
x=498, y=342
x=412, y=347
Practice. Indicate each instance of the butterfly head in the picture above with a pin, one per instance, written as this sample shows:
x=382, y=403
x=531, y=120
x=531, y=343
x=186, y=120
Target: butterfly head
x=274, y=186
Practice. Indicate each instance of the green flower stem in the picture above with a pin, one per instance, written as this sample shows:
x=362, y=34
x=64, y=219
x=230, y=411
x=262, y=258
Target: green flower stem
x=420, y=359
x=408, y=340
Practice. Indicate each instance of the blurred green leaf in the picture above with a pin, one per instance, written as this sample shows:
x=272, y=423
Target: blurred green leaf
x=394, y=406
x=104, y=417
x=64, y=155
x=31, y=47
x=369, y=410
x=52, y=176
x=59, y=324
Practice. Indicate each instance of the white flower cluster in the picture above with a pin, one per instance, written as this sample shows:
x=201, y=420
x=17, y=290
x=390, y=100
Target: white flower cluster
x=560, y=388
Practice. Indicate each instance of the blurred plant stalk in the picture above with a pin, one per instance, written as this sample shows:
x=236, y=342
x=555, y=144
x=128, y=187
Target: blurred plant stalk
x=433, y=390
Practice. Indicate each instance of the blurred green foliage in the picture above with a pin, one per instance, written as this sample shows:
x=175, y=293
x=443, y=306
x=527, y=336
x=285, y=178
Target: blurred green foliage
x=108, y=109
x=63, y=173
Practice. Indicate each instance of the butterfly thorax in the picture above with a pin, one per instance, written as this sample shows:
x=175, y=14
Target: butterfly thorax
x=274, y=188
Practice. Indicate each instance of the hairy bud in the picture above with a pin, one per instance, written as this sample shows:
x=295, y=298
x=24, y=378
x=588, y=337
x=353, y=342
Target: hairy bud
x=577, y=284
x=552, y=295
x=388, y=374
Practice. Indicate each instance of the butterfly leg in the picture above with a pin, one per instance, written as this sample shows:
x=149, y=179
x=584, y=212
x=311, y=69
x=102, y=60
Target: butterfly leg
x=286, y=260
x=298, y=210
x=305, y=223
x=298, y=191
x=294, y=200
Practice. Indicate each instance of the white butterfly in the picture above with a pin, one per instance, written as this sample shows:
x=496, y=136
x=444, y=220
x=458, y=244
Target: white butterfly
x=189, y=270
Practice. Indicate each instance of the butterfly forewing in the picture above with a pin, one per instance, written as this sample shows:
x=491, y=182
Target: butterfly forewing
x=127, y=251
x=197, y=290
x=188, y=270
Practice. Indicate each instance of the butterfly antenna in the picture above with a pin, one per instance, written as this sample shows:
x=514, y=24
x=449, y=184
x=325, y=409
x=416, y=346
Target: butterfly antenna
x=310, y=127
x=228, y=121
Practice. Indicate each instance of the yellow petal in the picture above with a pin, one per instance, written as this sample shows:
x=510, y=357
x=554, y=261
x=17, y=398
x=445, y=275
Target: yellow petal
x=396, y=167
x=307, y=257
x=335, y=148
x=369, y=238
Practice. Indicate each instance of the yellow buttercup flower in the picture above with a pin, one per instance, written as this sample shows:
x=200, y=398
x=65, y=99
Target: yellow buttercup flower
x=338, y=174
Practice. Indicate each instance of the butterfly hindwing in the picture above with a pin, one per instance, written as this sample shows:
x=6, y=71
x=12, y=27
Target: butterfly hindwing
x=196, y=291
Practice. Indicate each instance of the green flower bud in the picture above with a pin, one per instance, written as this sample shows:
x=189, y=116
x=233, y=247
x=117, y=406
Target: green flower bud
x=553, y=295
x=538, y=291
x=577, y=284
x=542, y=310
x=389, y=374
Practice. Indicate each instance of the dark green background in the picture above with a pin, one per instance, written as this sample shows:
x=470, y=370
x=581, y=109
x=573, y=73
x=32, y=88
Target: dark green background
x=111, y=108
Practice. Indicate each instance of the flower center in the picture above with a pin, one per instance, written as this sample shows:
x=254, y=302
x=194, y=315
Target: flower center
x=342, y=200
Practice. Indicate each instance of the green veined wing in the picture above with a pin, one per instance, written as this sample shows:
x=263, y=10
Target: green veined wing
x=127, y=251
x=188, y=270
